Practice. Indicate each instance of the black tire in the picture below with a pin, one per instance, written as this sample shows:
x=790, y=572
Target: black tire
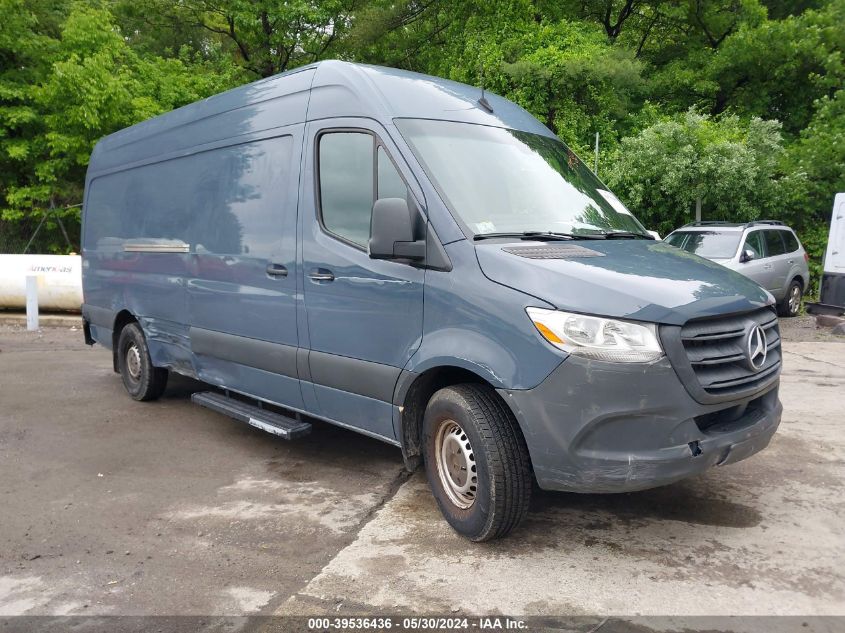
x=141, y=379
x=496, y=451
x=790, y=305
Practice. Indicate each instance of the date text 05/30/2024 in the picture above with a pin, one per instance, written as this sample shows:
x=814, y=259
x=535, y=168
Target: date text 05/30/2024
x=415, y=623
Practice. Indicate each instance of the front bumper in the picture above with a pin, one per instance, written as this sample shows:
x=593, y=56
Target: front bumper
x=593, y=426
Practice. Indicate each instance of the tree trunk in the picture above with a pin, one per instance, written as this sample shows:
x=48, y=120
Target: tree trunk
x=698, y=209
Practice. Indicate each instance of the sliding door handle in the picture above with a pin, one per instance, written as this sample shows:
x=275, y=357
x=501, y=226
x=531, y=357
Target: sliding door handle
x=321, y=275
x=277, y=270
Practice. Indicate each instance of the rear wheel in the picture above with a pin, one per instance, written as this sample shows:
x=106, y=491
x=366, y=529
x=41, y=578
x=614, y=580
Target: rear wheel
x=476, y=461
x=791, y=303
x=141, y=379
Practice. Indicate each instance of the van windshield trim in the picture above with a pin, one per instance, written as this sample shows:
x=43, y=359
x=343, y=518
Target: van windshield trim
x=522, y=182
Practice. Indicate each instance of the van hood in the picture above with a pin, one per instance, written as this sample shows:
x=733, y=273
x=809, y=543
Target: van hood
x=642, y=280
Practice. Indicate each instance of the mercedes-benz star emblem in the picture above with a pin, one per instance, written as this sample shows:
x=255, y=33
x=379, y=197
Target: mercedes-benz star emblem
x=757, y=348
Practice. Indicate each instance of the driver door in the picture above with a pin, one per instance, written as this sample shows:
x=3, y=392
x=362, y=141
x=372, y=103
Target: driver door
x=363, y=316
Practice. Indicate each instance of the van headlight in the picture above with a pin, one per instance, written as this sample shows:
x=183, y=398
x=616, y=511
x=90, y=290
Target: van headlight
x=597, y=337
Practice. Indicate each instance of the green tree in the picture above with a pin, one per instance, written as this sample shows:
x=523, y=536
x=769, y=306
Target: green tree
x=779, y=9
x=614, y=16
x=766, y=68
x=265, y=37
x=561, y=70
x=73, y=71
x=78, y=84
x=725, y=168
x=779, y=68
x=661, y=29
x=565, y=75
x=26, y=41
x=819, y=158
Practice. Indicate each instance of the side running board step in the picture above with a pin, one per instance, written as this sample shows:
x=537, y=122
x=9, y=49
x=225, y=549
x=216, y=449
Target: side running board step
x=275, y=423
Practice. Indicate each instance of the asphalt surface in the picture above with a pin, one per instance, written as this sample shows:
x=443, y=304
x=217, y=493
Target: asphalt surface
x=108, y=506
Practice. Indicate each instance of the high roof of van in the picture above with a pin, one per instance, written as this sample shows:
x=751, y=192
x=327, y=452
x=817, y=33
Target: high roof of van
x=326, y=89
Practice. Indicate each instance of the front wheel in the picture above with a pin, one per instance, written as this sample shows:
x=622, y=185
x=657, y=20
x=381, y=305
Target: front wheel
x=476, y=461
x=141, y=379
x=791, y=303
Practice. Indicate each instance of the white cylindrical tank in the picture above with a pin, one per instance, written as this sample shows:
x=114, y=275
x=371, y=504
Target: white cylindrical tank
x=59, y=281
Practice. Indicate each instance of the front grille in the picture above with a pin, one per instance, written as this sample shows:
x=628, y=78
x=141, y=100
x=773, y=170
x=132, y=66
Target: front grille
x=716, y=350
x=736, y=416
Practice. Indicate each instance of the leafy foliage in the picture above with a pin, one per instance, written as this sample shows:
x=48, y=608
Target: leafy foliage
x=730, y=165
x=265, y=37
x=819, y=158
x=739, y=102
x=63, y=87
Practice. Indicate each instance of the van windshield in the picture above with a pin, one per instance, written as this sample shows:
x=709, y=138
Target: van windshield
x=498, y=180
x=709, y=244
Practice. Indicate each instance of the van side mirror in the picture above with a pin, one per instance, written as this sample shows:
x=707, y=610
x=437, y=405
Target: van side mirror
x=747, y=256
x=392, y=231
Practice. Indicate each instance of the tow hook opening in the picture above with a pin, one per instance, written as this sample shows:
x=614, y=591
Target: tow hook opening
x=694, y=448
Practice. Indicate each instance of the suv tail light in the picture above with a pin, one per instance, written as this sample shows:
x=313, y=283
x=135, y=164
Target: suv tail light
x=806, y=257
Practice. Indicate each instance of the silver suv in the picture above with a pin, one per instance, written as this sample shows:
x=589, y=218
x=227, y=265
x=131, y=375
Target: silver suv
x=766, y=251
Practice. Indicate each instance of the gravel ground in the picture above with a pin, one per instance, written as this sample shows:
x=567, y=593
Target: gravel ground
x=803, y=328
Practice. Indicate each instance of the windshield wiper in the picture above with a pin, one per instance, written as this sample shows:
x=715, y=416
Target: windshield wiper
x=533, y=235
x=625, y=235
x=554, y=235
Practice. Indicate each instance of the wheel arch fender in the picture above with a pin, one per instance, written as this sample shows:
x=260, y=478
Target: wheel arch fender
x=121, y=320
x=451, y=357
x=497, y=360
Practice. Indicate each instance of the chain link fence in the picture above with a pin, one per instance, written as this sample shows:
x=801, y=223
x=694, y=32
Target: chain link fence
x=14, y=236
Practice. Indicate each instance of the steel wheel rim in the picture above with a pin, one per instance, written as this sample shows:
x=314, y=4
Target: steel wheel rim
x=133, y=362
x=456, y=464
x=794, y=299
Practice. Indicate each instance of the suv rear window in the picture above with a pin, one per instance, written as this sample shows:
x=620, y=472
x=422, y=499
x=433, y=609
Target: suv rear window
x=792, y=243
x=710, y=244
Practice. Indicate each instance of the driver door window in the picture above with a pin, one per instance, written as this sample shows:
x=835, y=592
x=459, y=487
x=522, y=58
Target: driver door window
x=347, y=187
x=754, y=243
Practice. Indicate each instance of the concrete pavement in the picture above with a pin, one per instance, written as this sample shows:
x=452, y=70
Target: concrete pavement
x=117, y=507
x=764, y=536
